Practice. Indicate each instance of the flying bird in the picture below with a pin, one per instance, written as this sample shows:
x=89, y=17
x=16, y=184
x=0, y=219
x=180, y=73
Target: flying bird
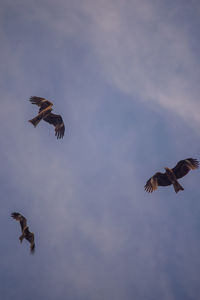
x=171, y=175
x=29, y=236
x=46, y=115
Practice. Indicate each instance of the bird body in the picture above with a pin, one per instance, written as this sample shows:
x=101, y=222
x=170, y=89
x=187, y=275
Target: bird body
x=45, y=113
x=26, y=234
x=171, y=175
x=173, y=180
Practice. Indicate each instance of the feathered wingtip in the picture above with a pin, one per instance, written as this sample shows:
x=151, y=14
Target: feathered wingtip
x=151, y=185
x=191, y=163
x=35, y=121
x=194, y=163
x=34, y=99
x=15, y=215
x=148, y=188
x=59, y=131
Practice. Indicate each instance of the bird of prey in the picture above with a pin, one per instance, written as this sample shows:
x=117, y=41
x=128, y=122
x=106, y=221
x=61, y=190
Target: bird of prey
x=171, y=175
x=46, y=115
x=29, y=236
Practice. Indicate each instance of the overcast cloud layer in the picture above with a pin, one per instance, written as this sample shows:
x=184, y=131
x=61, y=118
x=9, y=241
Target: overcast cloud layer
x=124, y=76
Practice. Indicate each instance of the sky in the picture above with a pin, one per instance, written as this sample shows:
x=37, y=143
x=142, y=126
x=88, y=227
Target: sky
x=124, y=75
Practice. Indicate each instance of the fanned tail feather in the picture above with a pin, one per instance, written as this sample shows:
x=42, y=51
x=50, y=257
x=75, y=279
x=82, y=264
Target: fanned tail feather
x=36, y=120
x=177, y=187
x=32, y=248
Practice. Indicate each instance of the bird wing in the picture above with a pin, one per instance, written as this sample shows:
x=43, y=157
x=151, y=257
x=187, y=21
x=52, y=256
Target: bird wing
x=19, y=218
x=41, y=102
x=57, y=121
x=159, y=179
x=29, y=236
x=184, y=166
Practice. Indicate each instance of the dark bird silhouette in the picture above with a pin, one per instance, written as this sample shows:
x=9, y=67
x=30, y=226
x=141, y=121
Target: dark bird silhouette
x=171, y=175
x=46, y=115
x=29, y=236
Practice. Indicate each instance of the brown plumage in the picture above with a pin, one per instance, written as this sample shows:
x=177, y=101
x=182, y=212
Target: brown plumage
x=29, y=236
x=171, y=175
x=46, y=115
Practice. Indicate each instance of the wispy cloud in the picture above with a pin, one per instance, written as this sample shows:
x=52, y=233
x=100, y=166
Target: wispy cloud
x=146, y=53
x=142, y=48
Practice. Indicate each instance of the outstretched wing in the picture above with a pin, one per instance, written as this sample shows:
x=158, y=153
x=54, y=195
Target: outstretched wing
x=159, y=179
x=184, y=166
x=19, y=218
x=41, y=102
x=30, y=237
x=57, y=121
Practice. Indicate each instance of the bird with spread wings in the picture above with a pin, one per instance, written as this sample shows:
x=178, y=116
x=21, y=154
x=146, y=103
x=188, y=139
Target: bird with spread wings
x=29, y=236
x=46, y=115
x=171, y=175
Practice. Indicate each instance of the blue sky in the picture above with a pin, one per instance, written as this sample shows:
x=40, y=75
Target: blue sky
x=125, y=78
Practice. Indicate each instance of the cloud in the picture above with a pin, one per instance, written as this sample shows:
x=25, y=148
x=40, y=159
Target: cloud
x=146, y=54
x=141, y=48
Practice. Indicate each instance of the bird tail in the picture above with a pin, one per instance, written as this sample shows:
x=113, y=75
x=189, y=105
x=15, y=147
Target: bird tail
x=21, y=238
x=32, y=248
x=36, y=120
x=40, y=116
x=177, y=187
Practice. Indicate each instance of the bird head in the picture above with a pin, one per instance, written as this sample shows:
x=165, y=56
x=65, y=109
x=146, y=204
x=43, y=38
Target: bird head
x=168, y=170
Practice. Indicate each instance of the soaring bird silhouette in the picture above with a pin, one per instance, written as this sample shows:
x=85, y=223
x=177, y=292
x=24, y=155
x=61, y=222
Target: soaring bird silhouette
x=29, y=236
x=46, y=115
x=171, y=175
